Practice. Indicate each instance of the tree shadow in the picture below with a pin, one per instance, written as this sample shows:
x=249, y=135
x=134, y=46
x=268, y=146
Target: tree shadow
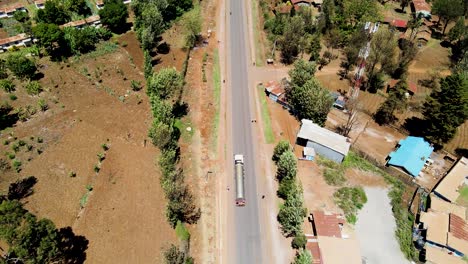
x=415, y=126
x=73, y=247
x=38, y=76
x=180, y=109
x=123, y=29
x=163, y=48
x=8, y=121
x=462, y=152
x=21, y=188
x=155, y=61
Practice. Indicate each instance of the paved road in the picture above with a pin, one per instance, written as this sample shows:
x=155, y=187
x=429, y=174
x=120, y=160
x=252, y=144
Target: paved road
x=246, y=221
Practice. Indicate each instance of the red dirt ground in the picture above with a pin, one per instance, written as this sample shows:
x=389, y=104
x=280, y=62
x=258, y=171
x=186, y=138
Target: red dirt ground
x=123, y=218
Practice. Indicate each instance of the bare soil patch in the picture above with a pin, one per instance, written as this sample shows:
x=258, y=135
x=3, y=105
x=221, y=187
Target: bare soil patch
x=91, y=103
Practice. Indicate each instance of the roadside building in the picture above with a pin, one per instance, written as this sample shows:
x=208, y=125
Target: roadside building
x=324, y=142
x=20, y=40
x=421, y=8
x=9, y=11
x=449, y=186
x=99, y=4
x=301, y=2
x=328, y=243
x=275, y=91
x=40, y=4
x=399, y=24
x=94, y=21
x=410, y=155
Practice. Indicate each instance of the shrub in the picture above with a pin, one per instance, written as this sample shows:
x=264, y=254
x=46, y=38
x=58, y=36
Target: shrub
x=42, y=104
x=33, y=87
x=97, y=168
x=39, y=140
x=286, y=187
x=182, y=232
x=21, y=143
x=136, y=86
x=101, y=156
x=299, y=241
x=72, y=174
x=21, y=66
x=350, y=199
x=7, y=85
x=17, y=165
x=13, y=97
x=15, y=147
x=11, y=155
x=6, y=142
x=105, y=147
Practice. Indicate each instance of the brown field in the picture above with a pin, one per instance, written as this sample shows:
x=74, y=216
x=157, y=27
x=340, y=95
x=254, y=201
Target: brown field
x=91, y=103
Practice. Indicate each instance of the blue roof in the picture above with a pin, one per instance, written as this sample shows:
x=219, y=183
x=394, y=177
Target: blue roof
x=411, y=155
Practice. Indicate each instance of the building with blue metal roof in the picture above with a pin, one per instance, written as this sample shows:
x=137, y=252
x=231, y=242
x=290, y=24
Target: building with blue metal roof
x=410, y=155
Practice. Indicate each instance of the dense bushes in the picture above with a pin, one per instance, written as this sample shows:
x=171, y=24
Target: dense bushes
x=292, y=212
x=350, y=199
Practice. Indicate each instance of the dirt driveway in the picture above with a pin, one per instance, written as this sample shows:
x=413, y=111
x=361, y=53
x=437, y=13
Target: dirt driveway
x=375, y=230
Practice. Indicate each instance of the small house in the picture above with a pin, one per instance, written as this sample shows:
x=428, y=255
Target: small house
x=324, y=142
x=40, y=4
x=9, y=11
x=20, y=40
x=274, y=90
x=301, y=2
x=449, y=186
x=99, y=4
x=93, y=21
x=399, y=24
x=410, y=155
x=421, y=8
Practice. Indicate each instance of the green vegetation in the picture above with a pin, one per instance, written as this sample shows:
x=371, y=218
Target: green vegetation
x=114, y=15
x=182, y=232
x=85, y=197
x=33, y=88
x=166, y=83
x=299, y=241
x=463, y=195
x=334, y=177
x=21, y=67
x=267, y=130
x=350, y=199
x=303, y=257
x=404, y=220
x=279, y=149
x=7, y=85
x=306, y=95
x=216, y=94
x=16, y=164
x=286, y=166
x=192, y=22
x=136, y=85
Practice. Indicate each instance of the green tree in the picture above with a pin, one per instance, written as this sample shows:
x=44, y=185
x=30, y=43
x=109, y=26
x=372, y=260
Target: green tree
x=3, y=69
x=291, y=214
x=166, y=83
x=175, y=8
x=193, y=25
x=329, y=12
x=54, y=12
x=78, y=6
x=302, y=72
x=447, y=10
x=299, y=241
x=49, y=36
x=11, y=217
x=303, y=256
x=286, y=187
x=314, y=47
x=148, y=65
x=287, y=166
x=114, y=15
x=162, y=110
x=360, y=11
x=181, y=205
x=21, y=66
x=396, y=101
x=167, y=161
x=458, y=31
x=173, y=255
x=280, y=148
x=383, y=52
x=161, y=134
x=149, y=25
x=310, y=101
x=446, y=109
x=293, y=40
x=21, y=16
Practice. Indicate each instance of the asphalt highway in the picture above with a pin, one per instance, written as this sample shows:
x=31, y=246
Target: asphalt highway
x=247, y=242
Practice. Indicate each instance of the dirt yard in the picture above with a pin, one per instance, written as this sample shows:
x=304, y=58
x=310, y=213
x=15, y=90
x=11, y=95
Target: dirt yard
x=91, y=103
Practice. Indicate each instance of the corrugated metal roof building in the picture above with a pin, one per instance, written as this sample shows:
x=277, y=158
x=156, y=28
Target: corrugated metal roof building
x=411, y=155
x=325, y=142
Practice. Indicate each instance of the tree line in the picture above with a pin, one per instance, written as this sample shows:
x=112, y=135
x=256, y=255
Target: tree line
x=292, y=211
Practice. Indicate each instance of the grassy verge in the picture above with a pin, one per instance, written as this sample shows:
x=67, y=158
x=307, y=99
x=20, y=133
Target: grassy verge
x=267, y=130
x=256, y=31
x=404, y=220
x=217, y=96
x=102, y=49
x=350, y=199
x=182, y=232
x=182, y=125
